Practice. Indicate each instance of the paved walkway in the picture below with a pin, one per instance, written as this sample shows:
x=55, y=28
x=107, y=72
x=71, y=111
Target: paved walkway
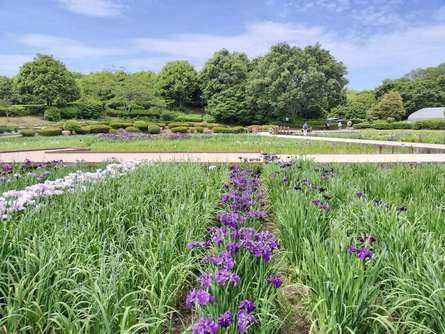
x=70, y=156
x=417, y=147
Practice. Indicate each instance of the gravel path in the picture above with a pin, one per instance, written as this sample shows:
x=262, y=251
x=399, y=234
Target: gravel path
x=69, y=156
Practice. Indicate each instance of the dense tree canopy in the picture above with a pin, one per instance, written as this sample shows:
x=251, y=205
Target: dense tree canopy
x=356, y=106
x=178, y=84
x=389, y=107
x=222, y=71
x=46, y=80
x=6, y=89
x=290, y=82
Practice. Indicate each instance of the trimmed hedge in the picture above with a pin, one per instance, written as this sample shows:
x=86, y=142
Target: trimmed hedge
x=167, y=115
x=188, y=118
x=6, y=128
x=84, y=130
x=179, y=125
x=120, y=124
x=433, y=124
x=28, y=132
x=236, y=129
x=72, y=125
x=52, y=114
x=22, y=110
x=363, y=125
x=153, y=129
x=141, y=125
x=179, y=129
x=132, y=129
x=98, y=128
x=50, y=132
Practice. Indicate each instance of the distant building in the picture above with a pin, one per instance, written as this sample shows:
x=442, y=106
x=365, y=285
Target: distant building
x=427, y=113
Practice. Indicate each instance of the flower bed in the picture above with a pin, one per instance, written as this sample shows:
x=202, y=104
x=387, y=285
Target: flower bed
x=237, y=290
x=18, y=200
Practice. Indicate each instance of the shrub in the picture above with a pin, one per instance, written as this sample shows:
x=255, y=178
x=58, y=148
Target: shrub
x=198, y=129
x=391, y=105
x=120, y=124
x=382, y=125
x=153, y=129
x=27, y=132
x=84, y=130
x=98, y=128
x=50, y=132
x=88, y=108
x=236, y=129
x=167, y=115
x=132, y=129
x=34, y=109
x=188, y=118
x=161, y=125
x=179, y=129
x=72, y=125
x=5, y=128
x=52, y=114
x=362, y=125
x=141, y=125
x=433, y=124
x=213, y=125
x=179, y=125
x=402, y=125
x=69, y=112
x=209, y=118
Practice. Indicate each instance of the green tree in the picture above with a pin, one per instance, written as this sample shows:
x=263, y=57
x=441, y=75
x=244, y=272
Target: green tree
x=6, y=89
x=291, y=82
x=357, y=105
x=178, y=84
x=222, y=71
x=46, y=80
x=390, y=106
x=230, y=106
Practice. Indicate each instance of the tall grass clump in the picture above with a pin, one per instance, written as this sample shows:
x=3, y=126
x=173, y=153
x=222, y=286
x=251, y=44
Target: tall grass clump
x=365, y=245
x=111, y=259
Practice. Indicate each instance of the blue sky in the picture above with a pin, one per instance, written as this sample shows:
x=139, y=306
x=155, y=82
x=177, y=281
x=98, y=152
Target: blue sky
x=376, y=39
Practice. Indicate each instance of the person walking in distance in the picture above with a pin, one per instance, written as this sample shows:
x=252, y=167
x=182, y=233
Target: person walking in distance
x=305, y=128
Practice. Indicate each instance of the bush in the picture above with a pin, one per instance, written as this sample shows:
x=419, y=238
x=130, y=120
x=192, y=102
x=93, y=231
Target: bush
x=34, y=109
x=362, y=125
x=167, y=115
x=98, y=128
x=432, y=124
x=179, y=125
x=50, y=132
x=382, y=125
x=120, y=124
x=88, y=108
x=5, y=128
x=198, y=129
x=69, y=112
x=153, y=129
x=132, y=129
x=72, y=125
x=141, y=125
x=22, y=110
x=391, y=105
x=84, y=130
x=209, y=118
x=27, y=132
x=188, y=118
x=236, y=129
x=179, y=129
x=52, y=114
x=401, y=125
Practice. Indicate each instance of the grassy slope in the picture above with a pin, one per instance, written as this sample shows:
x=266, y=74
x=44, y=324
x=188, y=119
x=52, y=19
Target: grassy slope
x=214, y=143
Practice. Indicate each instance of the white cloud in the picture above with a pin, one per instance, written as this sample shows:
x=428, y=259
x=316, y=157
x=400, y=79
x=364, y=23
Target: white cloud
x=10, y=63
x=99, y=8
x=391, y=53
x=65, y=48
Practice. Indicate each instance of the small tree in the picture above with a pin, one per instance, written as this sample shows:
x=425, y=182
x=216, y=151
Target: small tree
x=46, y=80
x=390, y=106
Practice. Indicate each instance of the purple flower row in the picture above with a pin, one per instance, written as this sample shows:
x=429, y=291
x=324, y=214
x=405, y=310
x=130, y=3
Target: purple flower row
x=241, y=208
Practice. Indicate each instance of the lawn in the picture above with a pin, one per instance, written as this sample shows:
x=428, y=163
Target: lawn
x=415, y=136
x=196, y=143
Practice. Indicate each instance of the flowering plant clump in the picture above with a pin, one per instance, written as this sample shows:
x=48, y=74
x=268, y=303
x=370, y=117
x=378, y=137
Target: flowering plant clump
x=235, y=247
x=18, y=200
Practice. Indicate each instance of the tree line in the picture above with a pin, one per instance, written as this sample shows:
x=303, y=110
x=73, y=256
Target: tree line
x=285, y=84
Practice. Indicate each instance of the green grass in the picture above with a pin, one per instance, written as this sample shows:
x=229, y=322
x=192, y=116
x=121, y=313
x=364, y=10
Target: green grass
x=112, y=259
x=414, y=136
x=213, y=143
x=401, y=290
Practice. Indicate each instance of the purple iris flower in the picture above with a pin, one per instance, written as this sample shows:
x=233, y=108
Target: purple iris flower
x=198, y=297
x=285, y=180
x=351, y=249
x=7, y=168
x=225, y=320
x=275, y=281
x=244, y=319
x=360, y=194
x=205, y=280
x=247, y=305
x=364, y=254
x=205, y=326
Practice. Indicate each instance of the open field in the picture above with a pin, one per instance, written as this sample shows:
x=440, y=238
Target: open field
x=414, y=136
x=196, y=143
